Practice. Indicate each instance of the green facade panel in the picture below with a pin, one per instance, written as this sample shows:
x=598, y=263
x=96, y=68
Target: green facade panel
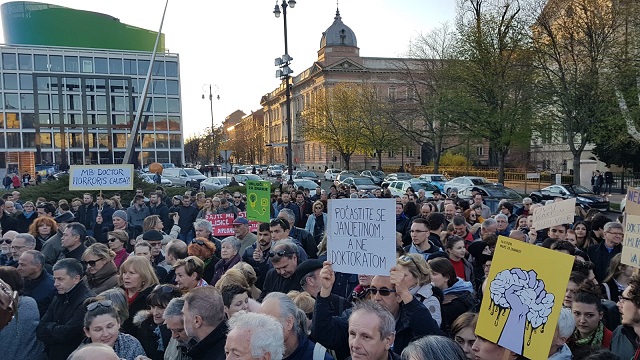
x=32, y=23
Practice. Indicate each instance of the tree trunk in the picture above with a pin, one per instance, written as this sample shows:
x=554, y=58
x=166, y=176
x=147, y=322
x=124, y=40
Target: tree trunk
x=436, y=161
x=379, y=155
x=347, y=160
x=501, y=157
x=576, y=169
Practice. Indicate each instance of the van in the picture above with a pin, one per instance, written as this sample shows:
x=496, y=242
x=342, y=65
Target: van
x=186, y=177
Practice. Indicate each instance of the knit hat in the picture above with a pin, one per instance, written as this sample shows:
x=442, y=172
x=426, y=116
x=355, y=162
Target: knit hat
x=152, y=235
x=121, y=214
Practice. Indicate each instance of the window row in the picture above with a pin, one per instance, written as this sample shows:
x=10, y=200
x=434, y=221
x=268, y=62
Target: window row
x=84, y=64
x=93, y=103
x=25, y=82
x=28, y=121
x=99, y=140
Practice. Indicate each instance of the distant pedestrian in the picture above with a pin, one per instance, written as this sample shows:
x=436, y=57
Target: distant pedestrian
x=7, y=182
x=157, y=178
x=15, y=180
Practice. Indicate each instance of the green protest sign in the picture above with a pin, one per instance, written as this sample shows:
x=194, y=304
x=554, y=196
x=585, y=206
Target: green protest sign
x=258, y=200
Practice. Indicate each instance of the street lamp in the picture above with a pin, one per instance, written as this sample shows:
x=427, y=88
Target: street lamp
x=284, y=73
x=213, y=131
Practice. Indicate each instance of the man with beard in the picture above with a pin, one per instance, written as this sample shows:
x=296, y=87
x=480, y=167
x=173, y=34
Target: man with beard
x=157, y=207
x=626, y=337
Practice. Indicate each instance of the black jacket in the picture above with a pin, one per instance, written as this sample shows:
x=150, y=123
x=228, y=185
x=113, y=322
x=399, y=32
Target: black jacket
x=41, y=289
x=601, y=257
x=212, y=346
x=188, y=215
x=8, y=222
x=139, y=304
x=273, y=282
x=100, y=233
x=61, y=326
x=85, y=215
x=24, y=222
x=148, y=338
x=306, y=240
x=415, y=321
x=163, y=212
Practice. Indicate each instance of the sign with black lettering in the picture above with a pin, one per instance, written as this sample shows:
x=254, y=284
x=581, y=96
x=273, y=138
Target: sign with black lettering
x=101, y=177
x=361, y=235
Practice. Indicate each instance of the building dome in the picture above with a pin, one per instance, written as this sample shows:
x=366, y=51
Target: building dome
x=338, y=34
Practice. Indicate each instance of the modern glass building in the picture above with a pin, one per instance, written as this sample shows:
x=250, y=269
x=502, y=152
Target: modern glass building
x=75, y=104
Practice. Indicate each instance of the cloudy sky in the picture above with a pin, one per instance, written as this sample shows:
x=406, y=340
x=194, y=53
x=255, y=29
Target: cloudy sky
x=232, y=44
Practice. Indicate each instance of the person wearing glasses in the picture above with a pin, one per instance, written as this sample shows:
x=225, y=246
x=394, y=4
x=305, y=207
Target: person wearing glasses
x=417, y=271
x=102, y=326
x=284, y=258
x=420, y=242
x=102, y=273
x=117, y=242
x=61, y=326
x=230, y=255
x=317, y=221
x=22, y=242
x=154, y=334
x=602, y=253
x=138, y=278
x=626, y=336
x=5, y=257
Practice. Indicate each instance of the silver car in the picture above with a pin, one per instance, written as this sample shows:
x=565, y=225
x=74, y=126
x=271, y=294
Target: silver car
x=214, y=183
x=187, y=177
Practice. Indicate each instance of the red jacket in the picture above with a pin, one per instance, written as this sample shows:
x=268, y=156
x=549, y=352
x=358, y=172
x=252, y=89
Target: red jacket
x=16, y=181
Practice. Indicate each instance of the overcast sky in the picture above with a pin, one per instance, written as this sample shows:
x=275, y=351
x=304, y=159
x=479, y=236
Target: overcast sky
x=232, y=44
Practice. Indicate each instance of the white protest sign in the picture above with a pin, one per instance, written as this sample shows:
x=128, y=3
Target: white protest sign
x=101, y=177
x=361, y=235
x=557, y=213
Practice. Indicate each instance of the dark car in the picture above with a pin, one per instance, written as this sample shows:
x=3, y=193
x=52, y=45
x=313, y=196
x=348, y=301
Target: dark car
x=585, y=198
x=308, y=175
x=361, y=183
x=492, y=195
x=376, y=176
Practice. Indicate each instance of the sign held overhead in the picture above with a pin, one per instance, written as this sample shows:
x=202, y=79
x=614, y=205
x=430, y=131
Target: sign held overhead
x=101, y=177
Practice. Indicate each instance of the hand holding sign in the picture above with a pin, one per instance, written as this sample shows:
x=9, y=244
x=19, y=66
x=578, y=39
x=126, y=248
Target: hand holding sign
x=327, y=278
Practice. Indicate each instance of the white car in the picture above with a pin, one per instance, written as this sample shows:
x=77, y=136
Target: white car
x=464, y=182
x=214, y=183
x=274, y=170
x=331, y=174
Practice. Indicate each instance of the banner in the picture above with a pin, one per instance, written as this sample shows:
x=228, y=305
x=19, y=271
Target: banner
x=258, y=200
x=223, y=224
x=361, y=235
x=557, y=213
x=631, y=242
x=633, y=201
x=101, y=177
x=523, y=297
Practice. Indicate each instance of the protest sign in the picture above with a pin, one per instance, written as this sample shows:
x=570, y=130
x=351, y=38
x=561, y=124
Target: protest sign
x=631, y=242
x=523, y=297
x=253, y=225
x=633, y=201
x=557, y=213
x=258, y=200
x=101, y=177
x=222, y=224
x=361, y=235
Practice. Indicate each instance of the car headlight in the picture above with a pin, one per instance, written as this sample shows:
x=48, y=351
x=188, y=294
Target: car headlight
x=583, y=199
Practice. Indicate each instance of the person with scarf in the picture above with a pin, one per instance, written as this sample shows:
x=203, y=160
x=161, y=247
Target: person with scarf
x=230, y=254
x=101, y=272
x=587, y=312
x=26, y=216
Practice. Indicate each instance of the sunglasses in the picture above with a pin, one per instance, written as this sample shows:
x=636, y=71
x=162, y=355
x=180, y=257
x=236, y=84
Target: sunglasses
x=198, y=242
x=103, y=303
x=280, y=253
x=91, y=263
x=383, y=291
x=7, y=241
x=113, y=239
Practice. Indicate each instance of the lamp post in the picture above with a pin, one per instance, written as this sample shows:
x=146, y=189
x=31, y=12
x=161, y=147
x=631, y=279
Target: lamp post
x=213, y=131
x=284, y=73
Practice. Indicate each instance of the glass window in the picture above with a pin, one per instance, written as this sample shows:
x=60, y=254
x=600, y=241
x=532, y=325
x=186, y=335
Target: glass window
x=103, y=140
x=172, y=69
x=173, y=105
x=91, y=102
x=117, y=86
x=172, y=87
x=86, y=65
x=159, y=105
x=162, y=141
x=102, y=66
x=163, y=156
x=43, y=83
x=54, y=84
x=160, y=123
x=26, y=82
x=43, y=102
x=73, y=119
x=73, y=102
x=176, y=157
x=89, y=85
x=115, y=66
x=24, y=61
x=130, y=67
x=158, y=68
x=10, y=81
x=55, y=119
x=42, y=64
x=143, y=67
x=101, y=103
x=174, y=123
x=118, y=119
x=159, y=87
x=119, y=140
x=56, y=63
x=44, y=118
x=101, y=86
x=45, y=139
x=117, y=103
x=58, y=138
x=9, y=62
x=28, y=121
x=102, y=119
x=71, y=64
x=55, y=102
x=11, y=101
x=13, y=140
x=174, y=141
x=26, y=102
x=2, y=122
x=72, y=84
x=13, y=120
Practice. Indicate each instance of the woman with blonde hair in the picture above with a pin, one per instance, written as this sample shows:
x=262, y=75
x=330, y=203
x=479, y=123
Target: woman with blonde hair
x=153, y=222
x=138, y=278
x=250, y=275
x=617, y=279
x=415, y=267
x=233, y=276
x=101, y=271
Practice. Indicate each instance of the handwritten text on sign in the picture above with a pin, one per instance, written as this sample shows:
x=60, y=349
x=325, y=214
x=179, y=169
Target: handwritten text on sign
x=223, y=224
x=631, y=242
x=361, y=235
x=101, y=177
x=557, y=213
x=633, y=201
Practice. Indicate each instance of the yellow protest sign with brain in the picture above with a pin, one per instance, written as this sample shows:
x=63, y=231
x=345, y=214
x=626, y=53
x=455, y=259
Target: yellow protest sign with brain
x=523, y=297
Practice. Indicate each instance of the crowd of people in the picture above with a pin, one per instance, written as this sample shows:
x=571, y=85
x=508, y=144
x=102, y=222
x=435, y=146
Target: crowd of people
x=94, y=278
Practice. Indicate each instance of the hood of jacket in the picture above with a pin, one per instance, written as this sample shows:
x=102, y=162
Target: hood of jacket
x=459, y=286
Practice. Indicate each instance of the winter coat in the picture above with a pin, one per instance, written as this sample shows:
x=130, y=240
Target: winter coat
x=104, y=279
x=222, y=266
x=52, y=248
x=148, y=336
x=458, y=299
x=41, y=289
x=212, y=346
x=138, y=304
x=624, y=342
x=163, y=212
x=84, y=215
x=16, y=339
x=136, y=216
x=425, y=294
x=61, y=326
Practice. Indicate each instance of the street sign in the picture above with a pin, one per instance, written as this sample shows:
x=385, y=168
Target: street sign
x=533, y=176
x=226, y=154
x=226, y=167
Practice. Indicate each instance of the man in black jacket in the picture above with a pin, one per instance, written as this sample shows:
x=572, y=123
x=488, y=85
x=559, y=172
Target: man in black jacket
x=601, y=254
x=203, y=313
x=157, y=207
x=72, y=241
x=188, y=215
x=38, y=283
x=85, y=211
x=304, y=237
x=7, y=222
x=413, y=319
x=61, y=326
x=284, y=258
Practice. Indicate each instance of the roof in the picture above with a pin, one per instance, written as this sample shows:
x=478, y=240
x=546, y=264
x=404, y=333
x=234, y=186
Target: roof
x=338, y=34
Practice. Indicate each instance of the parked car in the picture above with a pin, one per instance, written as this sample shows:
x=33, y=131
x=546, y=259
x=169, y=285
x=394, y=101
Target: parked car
x=343, y=175
x=399, y=188
x=361, y=183
x=331, y=174
x=463, y=182
x=398, y=176
x=309, y=175
x=238, y=169
x=376, y=176
x=242, y=178
x=214, y=183
x=492, y=194
x=184, y=177
x=436, y=179
x=584, y=197
x=274, y=170
x=149, y=179
x=304, y=183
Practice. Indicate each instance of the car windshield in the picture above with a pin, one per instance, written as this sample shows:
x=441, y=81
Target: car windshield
x=403, y=176
x=377, y=173
x=192, y=172
x=578, y=189
x=252, y=177
x=423, y=185
x=438, y=178
x=502, y=192
x=480, y=181
x=223, y=181
x=306, y=184
x=363, y=181
x=307, y=174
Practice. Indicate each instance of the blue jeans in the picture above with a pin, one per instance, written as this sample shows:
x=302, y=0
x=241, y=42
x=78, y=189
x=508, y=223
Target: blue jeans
x=188, y=237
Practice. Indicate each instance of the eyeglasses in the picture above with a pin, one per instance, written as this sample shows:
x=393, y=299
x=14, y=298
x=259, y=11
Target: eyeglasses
x=18, y=247
x=622, y=299
x=103, y=303
x=7, y=241
x=113, y=239
x=280, y=253
x=91, y=263
x=382, y=291
x=198, y=242
x=615, y=233
x=237, y=197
